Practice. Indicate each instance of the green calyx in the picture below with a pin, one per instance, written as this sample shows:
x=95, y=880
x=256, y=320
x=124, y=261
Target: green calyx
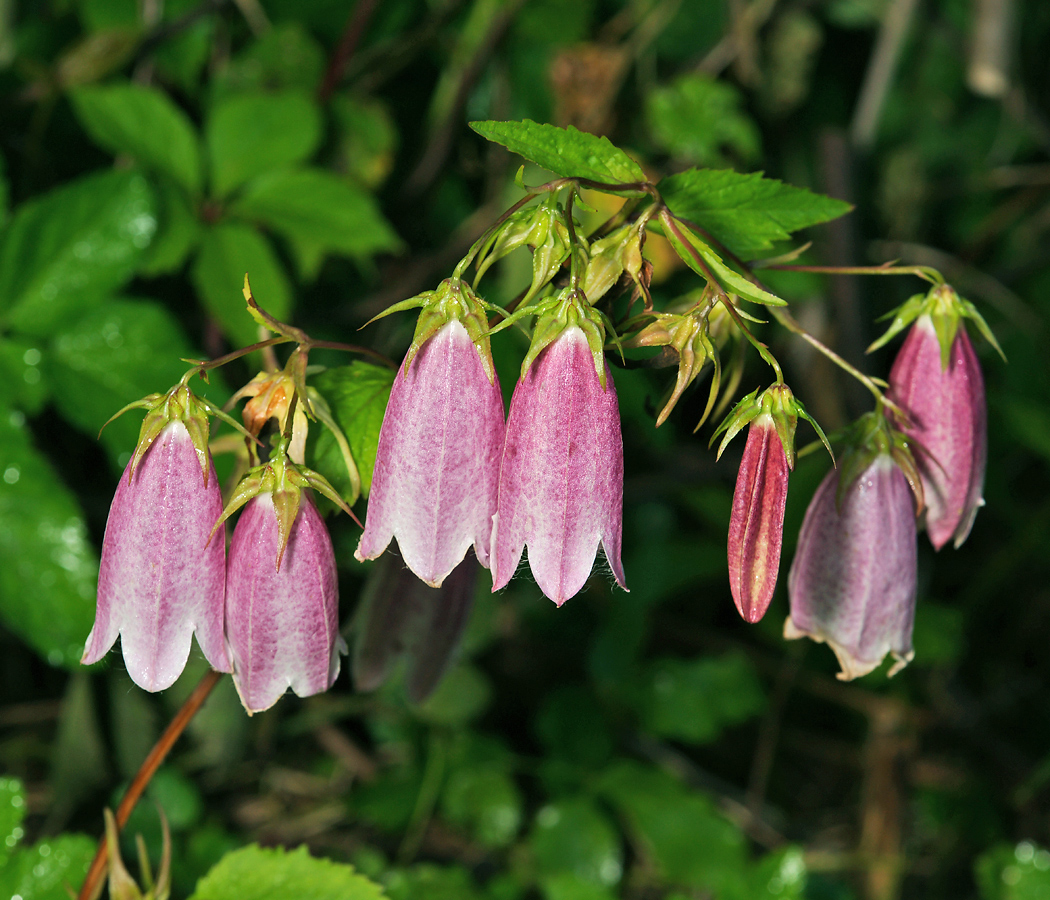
x=543, y=228
x=783, y=408
x=611, y=256
x=946, y=310
x=869, y=437
x=567, y=309
x=284, y=481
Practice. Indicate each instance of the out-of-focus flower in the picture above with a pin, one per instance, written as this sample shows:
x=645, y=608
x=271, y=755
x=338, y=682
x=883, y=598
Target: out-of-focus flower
x=947, y=424
x=437, y=463
x=561, y=479
x=853, y=580
x=160, y=579
x=282, y=619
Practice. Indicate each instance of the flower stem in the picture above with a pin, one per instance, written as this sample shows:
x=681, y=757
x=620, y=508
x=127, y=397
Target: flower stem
x=92, y=886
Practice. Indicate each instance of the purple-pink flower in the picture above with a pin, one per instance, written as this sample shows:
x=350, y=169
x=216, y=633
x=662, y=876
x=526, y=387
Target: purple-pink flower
x=853, y=579
x=756, y=526
x=282, y=620
x=561, y=478
x=946, y=425
x=437, y=463
x=160, y=580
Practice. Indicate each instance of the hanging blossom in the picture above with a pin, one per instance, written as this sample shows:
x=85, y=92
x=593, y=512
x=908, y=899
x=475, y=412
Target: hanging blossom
x=561, y=477
x=160, y=579
x=437, y=462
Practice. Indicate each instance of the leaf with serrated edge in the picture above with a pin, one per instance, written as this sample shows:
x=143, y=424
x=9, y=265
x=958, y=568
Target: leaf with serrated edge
x=255, y=873
x=565, y=151
x=746, y=212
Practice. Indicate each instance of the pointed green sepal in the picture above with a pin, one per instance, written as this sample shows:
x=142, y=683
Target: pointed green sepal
x=566, y=309
x=869, y=437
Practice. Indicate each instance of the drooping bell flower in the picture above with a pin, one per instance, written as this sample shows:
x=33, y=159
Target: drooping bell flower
x=437, y=462
x=561, y=478
x=853, y=580
x=937, y=383
x=282, y=593
x=756, y=526
x=160, y=580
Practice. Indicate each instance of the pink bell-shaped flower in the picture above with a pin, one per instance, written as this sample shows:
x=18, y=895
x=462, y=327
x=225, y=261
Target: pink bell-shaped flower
x=853, y=580
x=561, y=479
x=282, y=598
x=160, y=579
x=437, y=463
x=943, y=396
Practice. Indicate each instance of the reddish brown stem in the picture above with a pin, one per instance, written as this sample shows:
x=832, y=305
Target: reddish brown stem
x=92, y=886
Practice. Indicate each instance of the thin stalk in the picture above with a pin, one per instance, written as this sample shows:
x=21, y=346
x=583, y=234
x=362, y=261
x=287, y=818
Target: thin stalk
x=92, y=886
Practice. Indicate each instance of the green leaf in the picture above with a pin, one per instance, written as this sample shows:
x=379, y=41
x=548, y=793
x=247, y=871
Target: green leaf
x=690, y=842
x=781, y=874
x=250, y=134
x=48, y=568
x=286, y=56
x=357, y=395
x=1021, y=872
x=320, y=213
x=179, y=233
x=428, y=881
x=565, y=151
x=696, y=116
x=368, y=138
x=42, y=871
x=254, y=873
x=575, y=837
x=112, y=357
x=746, y=213
x=694, y=700
x=145, y=123
x=228, y=252
x=21, y=375
x=567, y=886
x=66, y=250
x=12, y=813
x=462, y=695
x=485, y=802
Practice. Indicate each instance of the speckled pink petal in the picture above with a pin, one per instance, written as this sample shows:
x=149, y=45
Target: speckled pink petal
x=160, y=581
x=756, y=526
x=853, y=579
x=561, y=479
x=948, y=427
x=437, y=463
x=282, y=626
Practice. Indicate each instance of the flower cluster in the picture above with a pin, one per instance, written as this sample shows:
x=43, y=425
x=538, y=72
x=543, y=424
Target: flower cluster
x=268, y=613
x=450, y=473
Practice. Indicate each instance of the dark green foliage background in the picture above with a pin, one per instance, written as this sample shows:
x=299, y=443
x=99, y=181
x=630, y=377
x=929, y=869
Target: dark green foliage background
x=637, y=745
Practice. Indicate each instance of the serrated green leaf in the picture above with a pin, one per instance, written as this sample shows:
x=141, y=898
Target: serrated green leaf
x=575, y=837
x=746, y=213
x=255, y=873
x=12, y=813
x=694, y=700
x=178, y=234
x=690, y=842
x=228, y=251
x=249, y=134
x=48, y=568
x=68, y=249
x=696, y=116
x=145, y=123
x=41, y=872
x=565, y=151
x=114, y=356
x=320, y=213
x=357, y=395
